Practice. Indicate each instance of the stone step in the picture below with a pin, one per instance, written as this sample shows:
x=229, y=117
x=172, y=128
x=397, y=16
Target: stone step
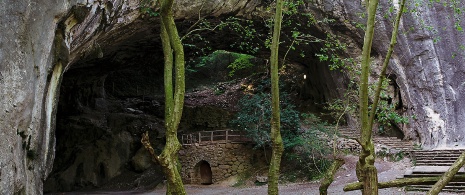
x=438, y=152
x=392, y=142
x=436, y=160
x=454, y=189
x=436, y=164
x=434, y=170
x=436, y=156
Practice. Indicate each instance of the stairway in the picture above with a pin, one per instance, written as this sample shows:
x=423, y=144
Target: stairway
x=431, y=163
x=391, y=142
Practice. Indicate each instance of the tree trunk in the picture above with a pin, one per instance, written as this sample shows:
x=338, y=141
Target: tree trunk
x=329, y=176
x=277, y=142
x=382, y=75
x=366, y=171
x=447, y=175
x=400, y=182
x=174, y=102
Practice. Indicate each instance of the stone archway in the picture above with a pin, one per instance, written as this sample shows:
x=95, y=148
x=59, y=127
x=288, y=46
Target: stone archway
x=203, y=173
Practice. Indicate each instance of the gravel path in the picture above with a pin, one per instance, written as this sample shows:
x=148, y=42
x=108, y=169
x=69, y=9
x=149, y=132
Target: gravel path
x=386, y=171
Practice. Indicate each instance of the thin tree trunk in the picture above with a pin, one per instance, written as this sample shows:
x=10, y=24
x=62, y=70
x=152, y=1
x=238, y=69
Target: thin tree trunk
x=174, y=102
x=400, y=182
x=329, y=176
x=382, y=75
x=366, y=171
x=437, y=187
x=277, y=142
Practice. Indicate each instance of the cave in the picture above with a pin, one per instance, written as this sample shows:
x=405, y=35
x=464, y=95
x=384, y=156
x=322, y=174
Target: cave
x=105, y=39
x=106, y=102
x=114, y=92
x=203, y=173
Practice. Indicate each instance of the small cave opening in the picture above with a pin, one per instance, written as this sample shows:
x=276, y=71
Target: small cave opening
x=203, y=173
x=392, y=111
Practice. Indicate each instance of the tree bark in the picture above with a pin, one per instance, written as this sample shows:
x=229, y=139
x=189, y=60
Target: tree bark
x=174, y=102
x=400, y=182
x=329, y=176
x=366, y=171
x=277, y=142
x=382, y=75
x=437, y=187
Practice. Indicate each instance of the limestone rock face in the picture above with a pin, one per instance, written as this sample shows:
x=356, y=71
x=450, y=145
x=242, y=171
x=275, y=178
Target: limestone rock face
x=28, y=84
x=427, y=64
x=38, y=43
x=40, y=40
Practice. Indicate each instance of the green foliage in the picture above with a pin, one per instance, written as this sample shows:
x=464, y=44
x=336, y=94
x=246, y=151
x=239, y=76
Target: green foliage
x=306, y=148
x=308, y=158
x=386, y=113
x=234, y=61
x=329, y=53
x=148, y=7
x=242, y=61
x=255, y=115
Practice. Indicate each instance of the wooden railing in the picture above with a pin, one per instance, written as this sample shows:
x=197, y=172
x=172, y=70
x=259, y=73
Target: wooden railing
x=214, y=136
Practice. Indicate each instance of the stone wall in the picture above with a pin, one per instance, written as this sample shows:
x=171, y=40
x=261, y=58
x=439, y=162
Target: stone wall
x=225, y=159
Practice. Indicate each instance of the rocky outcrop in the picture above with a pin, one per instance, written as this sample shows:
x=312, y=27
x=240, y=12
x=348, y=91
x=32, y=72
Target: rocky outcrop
x=427, y=64
x=41, y=40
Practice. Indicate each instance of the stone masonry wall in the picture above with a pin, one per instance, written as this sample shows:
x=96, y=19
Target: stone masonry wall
x=226, y=159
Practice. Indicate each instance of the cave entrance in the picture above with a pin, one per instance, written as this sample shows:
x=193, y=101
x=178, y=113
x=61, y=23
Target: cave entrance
x=105, y=104
x=204, y=173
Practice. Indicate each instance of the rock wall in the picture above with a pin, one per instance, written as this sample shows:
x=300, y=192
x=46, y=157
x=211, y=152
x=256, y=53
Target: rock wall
x=40, y=40
x=28, y=88
x=427, y=63
x=225, y=160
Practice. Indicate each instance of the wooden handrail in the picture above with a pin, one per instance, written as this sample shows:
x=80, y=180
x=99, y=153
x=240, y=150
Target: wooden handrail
x=211, y=136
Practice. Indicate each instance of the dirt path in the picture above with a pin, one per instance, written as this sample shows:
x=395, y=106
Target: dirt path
x=386, y=171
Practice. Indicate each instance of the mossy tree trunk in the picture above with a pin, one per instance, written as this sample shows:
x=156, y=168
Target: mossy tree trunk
x=329, y=176
x=173, y=54
x=401, y=182
x=439, y=185
x=277, y=142
x=366, y=171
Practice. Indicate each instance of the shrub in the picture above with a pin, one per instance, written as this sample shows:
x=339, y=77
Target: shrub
x=305, y=150
x=255, y=115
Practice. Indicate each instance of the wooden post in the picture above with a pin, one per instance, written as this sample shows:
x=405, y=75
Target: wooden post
x=211, y=136
x=200, y=139
x=227, y=135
